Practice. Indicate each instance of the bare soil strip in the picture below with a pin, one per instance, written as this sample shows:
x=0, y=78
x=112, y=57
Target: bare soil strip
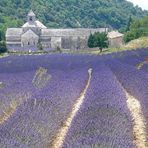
x=141, y=64
x=9, y=111
x=139, y=129
x=41, y=78
x=58, y=140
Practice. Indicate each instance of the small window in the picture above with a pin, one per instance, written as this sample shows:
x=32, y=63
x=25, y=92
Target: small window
x=30, y=18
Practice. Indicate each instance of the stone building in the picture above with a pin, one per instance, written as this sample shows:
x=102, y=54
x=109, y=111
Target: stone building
x=115, y=39
x=33, y=33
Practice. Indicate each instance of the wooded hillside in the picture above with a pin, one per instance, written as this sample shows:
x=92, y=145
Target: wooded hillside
x=69, y=13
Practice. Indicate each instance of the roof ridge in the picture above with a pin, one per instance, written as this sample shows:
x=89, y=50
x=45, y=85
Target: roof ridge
x=30, y=30
x=31, y=13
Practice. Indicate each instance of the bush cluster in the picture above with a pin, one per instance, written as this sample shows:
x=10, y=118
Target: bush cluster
x=137, y=28
x=3, y=47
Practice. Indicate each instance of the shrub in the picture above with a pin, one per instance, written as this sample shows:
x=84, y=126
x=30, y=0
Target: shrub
x=40, y=47
x=59, y=49
x=134, y=34
x=136, y=29
x=3, y=47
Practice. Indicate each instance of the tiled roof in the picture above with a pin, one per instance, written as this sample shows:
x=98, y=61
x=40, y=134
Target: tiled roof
x=29, y=33
x=13, y=32
x=114, y=34
x=70, y=32
x=35, y=24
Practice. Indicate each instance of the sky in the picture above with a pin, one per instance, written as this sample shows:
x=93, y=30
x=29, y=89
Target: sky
x=142, y=3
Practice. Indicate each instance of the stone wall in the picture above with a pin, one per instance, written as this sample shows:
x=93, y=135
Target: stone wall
x=29, y=39
x=116, y=42
x=67, y=38
x=52, y=38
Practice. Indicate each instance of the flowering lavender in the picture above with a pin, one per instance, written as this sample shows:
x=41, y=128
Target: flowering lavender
x=145, y=68
x=41, y=78
x=37, y=116
x=135, y=82
x=104, y=119
x=38, y=92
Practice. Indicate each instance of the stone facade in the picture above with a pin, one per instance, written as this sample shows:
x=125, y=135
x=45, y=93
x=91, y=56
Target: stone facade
x=33, y=33
x=115, y=39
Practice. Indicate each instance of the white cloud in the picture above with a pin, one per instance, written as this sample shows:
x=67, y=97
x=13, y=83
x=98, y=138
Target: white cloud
x=142, y=3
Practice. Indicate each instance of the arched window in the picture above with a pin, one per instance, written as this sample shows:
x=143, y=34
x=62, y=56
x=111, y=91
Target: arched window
x=30, y=18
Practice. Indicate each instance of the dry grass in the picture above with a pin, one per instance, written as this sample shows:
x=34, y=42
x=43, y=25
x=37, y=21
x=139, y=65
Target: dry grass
x=135, y=44
x=138, y=43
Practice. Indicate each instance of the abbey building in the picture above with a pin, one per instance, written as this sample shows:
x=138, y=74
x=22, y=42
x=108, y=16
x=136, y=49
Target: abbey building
x=34, y=33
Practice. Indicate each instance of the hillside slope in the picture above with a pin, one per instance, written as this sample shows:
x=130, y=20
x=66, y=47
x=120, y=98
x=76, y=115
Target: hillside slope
x=71, y=13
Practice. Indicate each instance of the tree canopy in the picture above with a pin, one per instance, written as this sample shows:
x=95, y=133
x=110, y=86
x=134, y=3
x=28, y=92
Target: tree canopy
x=2, y=47
x=69, y=13
x=98, y=40
x=137, y=29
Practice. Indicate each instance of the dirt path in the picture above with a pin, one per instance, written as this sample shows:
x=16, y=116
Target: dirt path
x=58, y=140
x=139, y=131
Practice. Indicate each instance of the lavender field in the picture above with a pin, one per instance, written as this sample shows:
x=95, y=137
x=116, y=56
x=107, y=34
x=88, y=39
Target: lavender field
x=74, y=101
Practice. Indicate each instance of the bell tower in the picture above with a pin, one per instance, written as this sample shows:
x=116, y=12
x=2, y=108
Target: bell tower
x=31, y=18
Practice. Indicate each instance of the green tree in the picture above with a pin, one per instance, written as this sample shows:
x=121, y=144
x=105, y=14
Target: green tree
x=2, y=35
x=129, y=23
x=91, y=40
x=98, y=40
x=137, y=29
x=72, y=13
x=101, y=40
x=3, y=47
x=59, y=49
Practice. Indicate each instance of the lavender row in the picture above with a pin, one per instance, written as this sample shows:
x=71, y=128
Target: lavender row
x=103, y=119
x=134, y=81
x=24, y=63
x=16, y=88
x=15, y=64
x=145, y=68
x=37, y=120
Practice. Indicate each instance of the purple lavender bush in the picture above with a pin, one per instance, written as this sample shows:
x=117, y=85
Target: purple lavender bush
x=37, y=93
x=103, y=119
x=134, y=81
x=39, y=115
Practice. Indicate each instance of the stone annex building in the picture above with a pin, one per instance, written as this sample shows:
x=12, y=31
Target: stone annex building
x=34, y=33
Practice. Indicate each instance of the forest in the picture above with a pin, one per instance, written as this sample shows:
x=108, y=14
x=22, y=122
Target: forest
x=136, y=29
x=69, y=14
